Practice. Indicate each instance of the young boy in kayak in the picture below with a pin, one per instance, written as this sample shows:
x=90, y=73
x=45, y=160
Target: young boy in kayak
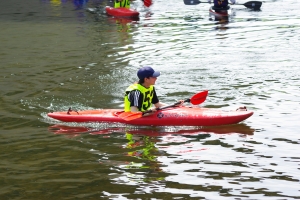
x=141, y=95
x=221, y=4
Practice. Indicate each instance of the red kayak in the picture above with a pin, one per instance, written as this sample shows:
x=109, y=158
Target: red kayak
x=174, y=116
x=122, y=12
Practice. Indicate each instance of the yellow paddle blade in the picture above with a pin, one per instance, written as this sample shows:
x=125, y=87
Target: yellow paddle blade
x=128, y=116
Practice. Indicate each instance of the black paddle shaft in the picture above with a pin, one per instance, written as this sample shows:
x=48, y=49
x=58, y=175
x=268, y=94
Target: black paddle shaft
x=251, y=4
x=170, y=106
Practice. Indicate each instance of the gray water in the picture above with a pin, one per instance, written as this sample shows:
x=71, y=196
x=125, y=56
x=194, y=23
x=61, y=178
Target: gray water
x=55, y=55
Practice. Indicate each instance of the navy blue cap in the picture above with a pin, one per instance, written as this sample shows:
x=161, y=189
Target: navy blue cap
x=147, y=72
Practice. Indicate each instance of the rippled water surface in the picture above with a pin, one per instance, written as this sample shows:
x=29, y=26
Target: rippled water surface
x=56, y=54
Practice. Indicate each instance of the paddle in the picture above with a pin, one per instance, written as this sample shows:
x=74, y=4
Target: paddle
x=250, y=4
x=195, y=100
x=147, y=3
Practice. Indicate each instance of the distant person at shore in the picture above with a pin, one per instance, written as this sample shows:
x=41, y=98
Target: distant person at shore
x=221, y=4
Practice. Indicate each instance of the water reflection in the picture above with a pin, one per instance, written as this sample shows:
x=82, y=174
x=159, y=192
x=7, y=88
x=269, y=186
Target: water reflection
x=137, y=153
x=144, y=148
x=123, y=24
x=78, y=4
x=58, y=7
x=98, y=128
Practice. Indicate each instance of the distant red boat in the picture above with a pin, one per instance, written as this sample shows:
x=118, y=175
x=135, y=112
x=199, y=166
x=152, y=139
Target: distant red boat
x=122, y=12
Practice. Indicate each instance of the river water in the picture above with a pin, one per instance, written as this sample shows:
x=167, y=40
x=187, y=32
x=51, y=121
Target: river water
x=55, y=55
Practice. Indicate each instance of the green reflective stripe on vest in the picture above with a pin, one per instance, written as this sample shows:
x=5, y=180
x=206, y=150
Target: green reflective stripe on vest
x=117, y=4
x=147, y=97
x=123, y=4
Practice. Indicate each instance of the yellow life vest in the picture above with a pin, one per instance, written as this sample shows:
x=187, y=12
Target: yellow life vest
x=147, y=96
x=122, y=3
